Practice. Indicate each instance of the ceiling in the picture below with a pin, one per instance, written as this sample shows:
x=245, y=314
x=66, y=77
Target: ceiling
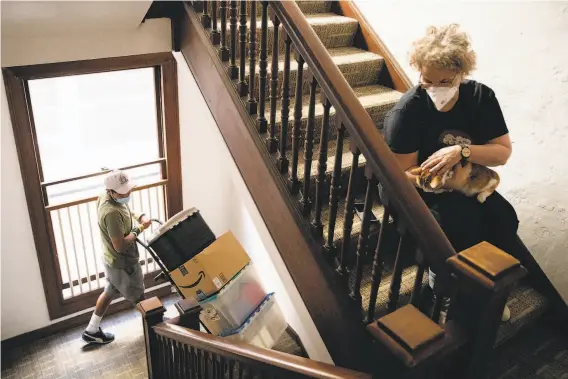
x=37, y=18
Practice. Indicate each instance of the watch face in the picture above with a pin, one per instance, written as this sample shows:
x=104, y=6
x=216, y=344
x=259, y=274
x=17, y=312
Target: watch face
x=466, y=152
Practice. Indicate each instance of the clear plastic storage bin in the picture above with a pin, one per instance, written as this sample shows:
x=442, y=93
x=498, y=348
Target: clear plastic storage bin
x=238, y=298
x=263, y=328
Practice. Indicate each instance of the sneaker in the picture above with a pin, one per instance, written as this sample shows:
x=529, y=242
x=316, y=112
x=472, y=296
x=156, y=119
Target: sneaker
x=99, y=337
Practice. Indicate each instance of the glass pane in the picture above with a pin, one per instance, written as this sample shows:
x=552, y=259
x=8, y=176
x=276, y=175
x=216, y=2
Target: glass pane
x=86, y=122
x=85, y=188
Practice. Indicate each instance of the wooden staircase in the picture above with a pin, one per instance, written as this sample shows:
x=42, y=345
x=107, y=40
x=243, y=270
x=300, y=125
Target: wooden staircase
x=300, y=99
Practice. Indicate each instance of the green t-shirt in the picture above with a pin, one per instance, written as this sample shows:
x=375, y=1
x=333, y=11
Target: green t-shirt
x=116, y=219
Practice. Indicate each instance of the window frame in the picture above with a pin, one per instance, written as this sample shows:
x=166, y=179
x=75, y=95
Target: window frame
x=167, y=112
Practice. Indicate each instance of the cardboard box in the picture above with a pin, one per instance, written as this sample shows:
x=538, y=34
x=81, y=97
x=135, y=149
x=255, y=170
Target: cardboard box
x=210, y=270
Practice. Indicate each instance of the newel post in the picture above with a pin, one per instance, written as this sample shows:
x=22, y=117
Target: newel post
x=152, y=312
x=486, y=275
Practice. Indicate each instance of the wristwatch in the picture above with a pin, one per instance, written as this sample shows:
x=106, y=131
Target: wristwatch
x=465, y=153
x=137, y=230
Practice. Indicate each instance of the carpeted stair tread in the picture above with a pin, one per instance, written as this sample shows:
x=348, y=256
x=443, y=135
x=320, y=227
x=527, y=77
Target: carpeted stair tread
x=359, y=67
x=378, y=211
x=346, y=159
x=526, y=305
x=406, y=288
x=289, y=343
x=333, y=30
x=376, y=99
x=307, y=7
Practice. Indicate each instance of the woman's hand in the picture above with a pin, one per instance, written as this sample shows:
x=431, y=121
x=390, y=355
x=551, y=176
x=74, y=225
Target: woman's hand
x=443, y=160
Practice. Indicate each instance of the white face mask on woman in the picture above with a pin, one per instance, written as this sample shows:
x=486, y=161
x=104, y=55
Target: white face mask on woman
x=442, y=95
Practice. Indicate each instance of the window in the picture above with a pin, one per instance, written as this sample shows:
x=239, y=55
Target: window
x=71, y=122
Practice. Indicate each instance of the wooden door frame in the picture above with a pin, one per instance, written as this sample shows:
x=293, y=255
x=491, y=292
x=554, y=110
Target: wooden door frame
x=16, y=81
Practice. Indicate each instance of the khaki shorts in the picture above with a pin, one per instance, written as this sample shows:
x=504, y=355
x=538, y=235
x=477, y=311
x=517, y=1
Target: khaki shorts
x=129, y=282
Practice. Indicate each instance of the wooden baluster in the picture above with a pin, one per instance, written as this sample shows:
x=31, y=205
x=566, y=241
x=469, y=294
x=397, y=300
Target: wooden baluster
x=169, y=358
x=285, y=112
x=162, y=359
x=272, y=141
x=215, y=35
x=223, y=50
x=205, y=364
x=233, y=69
x=394, y=290
x=261, y=120
x=334, y=188
x=251, y=103
x=364, y=235
x=349, y=213
x=185, y=365
x=231, y=369
x=205, y=17
x=175, y=359
x=417, y=289
x=297, y=132
x=317, y=226
x=152, y=312
x=197, y=363
x=306, y=202
x=377, y=265
x=178, y=358
x=243, y=85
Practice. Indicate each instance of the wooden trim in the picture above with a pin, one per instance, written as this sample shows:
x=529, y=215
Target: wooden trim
x=170, y=117
x=373, y=43
x=160, y=120
x=91, y=175
x=272, y=361
x=93, y=198
x=22, y=121
x=21, y=124
x=82, y=319
x=336, y=320
x=91, y=66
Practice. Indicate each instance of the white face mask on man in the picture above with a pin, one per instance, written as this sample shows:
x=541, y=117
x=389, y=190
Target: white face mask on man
x=441, y=95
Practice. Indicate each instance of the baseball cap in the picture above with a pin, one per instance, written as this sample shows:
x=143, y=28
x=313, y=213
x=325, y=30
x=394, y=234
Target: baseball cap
x=119, y=181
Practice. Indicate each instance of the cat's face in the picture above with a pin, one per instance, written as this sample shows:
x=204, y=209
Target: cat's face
x=427, y=181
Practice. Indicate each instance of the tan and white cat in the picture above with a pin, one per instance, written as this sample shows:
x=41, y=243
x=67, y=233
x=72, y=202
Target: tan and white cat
x=470, y=179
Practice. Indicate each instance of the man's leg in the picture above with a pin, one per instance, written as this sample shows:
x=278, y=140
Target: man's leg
x=93, y=333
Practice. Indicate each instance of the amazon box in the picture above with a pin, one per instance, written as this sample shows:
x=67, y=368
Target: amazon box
x=207, y=272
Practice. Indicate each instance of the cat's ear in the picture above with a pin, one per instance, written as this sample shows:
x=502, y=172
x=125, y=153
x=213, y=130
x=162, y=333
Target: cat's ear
x=416, y=170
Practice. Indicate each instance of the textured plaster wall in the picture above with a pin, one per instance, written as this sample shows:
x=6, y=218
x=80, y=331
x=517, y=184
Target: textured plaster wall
x=523, y=55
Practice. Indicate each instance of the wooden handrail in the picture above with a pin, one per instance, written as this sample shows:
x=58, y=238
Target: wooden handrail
x=245, y=352
x=416, y=216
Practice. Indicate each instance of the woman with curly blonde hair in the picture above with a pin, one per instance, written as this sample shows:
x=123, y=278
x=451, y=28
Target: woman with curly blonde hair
x=446, y=120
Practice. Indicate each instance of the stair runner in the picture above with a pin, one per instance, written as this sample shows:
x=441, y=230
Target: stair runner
x=362, y=70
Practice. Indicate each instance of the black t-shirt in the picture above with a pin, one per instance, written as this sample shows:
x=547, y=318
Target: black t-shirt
x=414, y=124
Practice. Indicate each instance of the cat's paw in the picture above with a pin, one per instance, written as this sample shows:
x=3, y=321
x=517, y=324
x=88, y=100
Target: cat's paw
x=482, y=197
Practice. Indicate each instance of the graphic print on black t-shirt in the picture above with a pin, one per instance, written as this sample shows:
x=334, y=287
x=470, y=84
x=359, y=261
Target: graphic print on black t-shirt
x=454, y=137
x=415, y=125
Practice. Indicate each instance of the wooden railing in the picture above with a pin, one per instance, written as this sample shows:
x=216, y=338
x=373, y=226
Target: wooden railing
x=333, y=112
x=334, y=115
x=176, y=349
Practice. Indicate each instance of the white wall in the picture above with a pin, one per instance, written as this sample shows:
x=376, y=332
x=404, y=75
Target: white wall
x=150, y=37
x=212, y=183
x=522, y=55
x=23, y=301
